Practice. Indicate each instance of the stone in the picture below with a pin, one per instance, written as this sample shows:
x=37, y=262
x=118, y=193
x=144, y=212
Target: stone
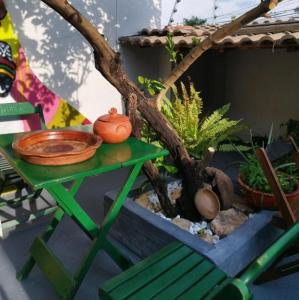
x=182, y=223
x=149, y=201
x=175, y=195
x=241, y=204
x=206, y=237
x=227, y=221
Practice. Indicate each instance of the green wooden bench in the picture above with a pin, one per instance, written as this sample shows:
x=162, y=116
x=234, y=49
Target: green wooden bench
x=10, y=181
x=177, y=272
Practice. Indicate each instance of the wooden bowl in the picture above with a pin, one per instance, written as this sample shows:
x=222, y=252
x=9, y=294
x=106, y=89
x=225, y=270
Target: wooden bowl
x=207, y=203
x=56, y=147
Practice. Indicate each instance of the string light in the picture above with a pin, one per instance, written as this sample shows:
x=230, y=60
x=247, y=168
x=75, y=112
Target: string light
x=174, y=10
x=215, y=7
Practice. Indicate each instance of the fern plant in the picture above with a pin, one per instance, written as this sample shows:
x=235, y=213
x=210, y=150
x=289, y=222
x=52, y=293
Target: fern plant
x=198, y=133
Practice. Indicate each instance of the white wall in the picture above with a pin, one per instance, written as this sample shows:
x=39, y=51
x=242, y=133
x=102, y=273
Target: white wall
x=63, y=60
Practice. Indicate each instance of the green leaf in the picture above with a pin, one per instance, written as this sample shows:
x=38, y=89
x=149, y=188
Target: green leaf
x=170, y=169
x=151, y=91
x=270, y=135
x=141, y=80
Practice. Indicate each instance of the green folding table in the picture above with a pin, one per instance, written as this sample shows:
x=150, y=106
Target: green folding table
x=132, y=153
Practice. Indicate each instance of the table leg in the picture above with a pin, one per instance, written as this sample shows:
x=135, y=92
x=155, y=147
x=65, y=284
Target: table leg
x=47, y=261
x=76, y=186
x=101, y=242
x=29, y=264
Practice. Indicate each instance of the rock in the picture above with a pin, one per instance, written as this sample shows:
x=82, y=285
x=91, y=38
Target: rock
x=182, y=223
x=227, y=221
x=196, y=227
x=206, y=237
x=241, y=204
x=149, y=201
x=174, y=190
x=175, y=195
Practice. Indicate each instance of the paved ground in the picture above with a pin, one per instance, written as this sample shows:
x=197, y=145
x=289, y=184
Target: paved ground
x=70, y=244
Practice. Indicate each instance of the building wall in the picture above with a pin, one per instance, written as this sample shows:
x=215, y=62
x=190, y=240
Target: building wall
x=63, y=60
x=150, y=62
x=261, y=85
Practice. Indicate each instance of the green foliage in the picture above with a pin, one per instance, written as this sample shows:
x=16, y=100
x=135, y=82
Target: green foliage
x=170, y=48
x=197, y=135
x=195, y=41
x=152, y=86
x=150, y=136
x=231, y=148
x=193, y=21
x=253, y=175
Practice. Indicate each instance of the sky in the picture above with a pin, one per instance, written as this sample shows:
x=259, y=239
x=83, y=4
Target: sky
x=226, y=9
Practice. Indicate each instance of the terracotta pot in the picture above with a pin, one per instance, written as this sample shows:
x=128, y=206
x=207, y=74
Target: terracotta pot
x=113, y=128
x=264, y=200
x=207, y=203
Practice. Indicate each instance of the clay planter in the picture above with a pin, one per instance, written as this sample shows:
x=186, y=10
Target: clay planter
x=264, y=200
x=113, y=128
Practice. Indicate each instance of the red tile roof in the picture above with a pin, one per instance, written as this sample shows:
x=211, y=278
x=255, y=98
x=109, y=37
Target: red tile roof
x=280, y=34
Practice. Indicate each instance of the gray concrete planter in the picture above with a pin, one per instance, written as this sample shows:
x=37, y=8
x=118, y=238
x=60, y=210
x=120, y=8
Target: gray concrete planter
x=144, y=233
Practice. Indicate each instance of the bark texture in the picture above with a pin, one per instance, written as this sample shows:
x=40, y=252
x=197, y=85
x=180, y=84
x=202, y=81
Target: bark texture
x=149, y=168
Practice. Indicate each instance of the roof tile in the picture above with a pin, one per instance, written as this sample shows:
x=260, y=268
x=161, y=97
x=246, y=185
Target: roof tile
x=255, y=35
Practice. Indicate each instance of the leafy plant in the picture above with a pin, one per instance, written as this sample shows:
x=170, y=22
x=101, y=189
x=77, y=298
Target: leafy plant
x=152, y=86
x=195, y=41
x=150, y=136
x=194, y=21
x=197, y=134
x=253, y=175
x=170, y=48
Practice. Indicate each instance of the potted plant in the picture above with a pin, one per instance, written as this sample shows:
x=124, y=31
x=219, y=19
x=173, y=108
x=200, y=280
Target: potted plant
x=255, y=185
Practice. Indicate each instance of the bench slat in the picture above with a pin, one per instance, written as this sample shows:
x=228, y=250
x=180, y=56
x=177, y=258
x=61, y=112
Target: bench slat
x=124, y=276
x=204, y=286
x=186, y=282
x=149, y=273
x=168, y=278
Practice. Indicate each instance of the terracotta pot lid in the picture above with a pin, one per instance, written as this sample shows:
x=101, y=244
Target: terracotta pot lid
x=113, y=116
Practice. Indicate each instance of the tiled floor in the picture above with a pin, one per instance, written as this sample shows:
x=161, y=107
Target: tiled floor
x=69, y=243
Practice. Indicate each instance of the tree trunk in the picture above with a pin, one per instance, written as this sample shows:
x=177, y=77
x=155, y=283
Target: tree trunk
x=149, y=168
x=107, y=61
